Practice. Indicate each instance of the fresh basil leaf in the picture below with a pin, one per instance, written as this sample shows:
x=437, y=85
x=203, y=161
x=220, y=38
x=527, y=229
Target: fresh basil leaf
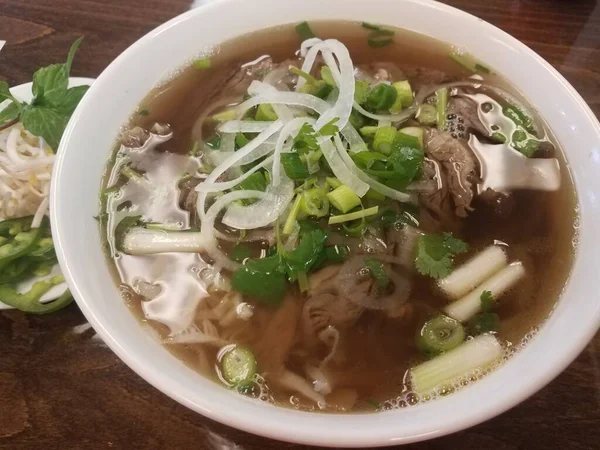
x=69, y=100
x=9, y=113
x=50, y=82
x=71, y=54
x=5, y=91
x=44, y=122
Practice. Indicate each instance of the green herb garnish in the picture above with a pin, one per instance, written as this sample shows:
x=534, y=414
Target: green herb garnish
x=53, y=103
x=377, y=271
x=304, y=31
x=435, y=254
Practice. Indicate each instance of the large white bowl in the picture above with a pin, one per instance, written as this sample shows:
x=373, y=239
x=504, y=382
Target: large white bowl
x=90, y=137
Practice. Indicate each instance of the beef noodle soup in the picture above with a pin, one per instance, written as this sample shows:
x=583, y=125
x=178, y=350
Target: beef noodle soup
x=349, y=223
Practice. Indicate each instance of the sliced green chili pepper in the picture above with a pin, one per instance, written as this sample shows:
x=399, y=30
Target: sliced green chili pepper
x=30, y=301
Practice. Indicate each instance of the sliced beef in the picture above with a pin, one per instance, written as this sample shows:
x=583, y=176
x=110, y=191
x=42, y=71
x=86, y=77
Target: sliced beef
x=463, y=117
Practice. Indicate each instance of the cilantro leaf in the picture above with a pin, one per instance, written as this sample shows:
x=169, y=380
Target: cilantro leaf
x=5, y=92
x=305, y=141
x=487, y=301
x=261, y=279
x=377, y=272
x=240, y=252
x=45, y=122
x=435, y=254
x=484, y=323
x=330, y=128
x=406, y=165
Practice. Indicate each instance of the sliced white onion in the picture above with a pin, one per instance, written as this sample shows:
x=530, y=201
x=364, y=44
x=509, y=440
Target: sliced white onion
x=283, y=112
x=353, y=138
x=243, y=126
x=340, y=169
x=288, y=130
x=401, y=117
x=265, y=211
x=227, y=143
x=234, y=158
x=225, y=185
x=208, y=225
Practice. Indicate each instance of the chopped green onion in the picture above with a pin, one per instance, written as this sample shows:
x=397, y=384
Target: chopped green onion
x=370, y=26
x=378, y=43
x=195, y=150
x=214, y=142
x=327, y=76
x=131, y=174
x=343, y=198
x=304, y=32
x=479, y=352
x=384, y=139
x=404, y=96
x=143, y=112
x=498, y=137
x=357, y=120
x=265, y=112
x=237, y=365
x=241, y=140
x=224, y=116
x=368, y=131
x=361, y=91
x=415, y=133
x=323, y=90
x=442, y=106
x=427, y=114
x=374, y=196
x=293, y=166
x=381, y=97
x=354, y=228
x=353, y=216
x=439, y=335
x=315, y=202
x=377, y=271
x=307, y=76
x=288, y=227
x=333, y=182
x=468, y=61
x=202, y=63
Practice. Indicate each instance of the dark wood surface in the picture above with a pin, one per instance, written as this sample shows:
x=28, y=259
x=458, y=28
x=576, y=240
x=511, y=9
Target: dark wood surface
x=61, y=388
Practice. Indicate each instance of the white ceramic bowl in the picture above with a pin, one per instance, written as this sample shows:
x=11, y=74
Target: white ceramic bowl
x=90, y=137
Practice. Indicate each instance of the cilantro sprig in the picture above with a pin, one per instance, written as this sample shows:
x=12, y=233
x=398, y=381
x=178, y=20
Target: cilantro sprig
x=436, y=252
x=53, y=101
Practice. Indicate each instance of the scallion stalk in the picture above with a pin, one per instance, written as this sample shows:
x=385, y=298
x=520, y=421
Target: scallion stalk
x=315, y=202
x=343, y=198
x=327, y=76
x=333, y=182
x=479, y=352
x=427, y=114
x=265, y=112
x=353, y=216
x=384, y=139
x=442, y=106
x=288, y=227
x=307, y=76
x=368, y=131
x=404, y=96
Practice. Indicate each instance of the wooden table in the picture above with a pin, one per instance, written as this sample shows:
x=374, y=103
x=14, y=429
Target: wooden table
x=62, y=388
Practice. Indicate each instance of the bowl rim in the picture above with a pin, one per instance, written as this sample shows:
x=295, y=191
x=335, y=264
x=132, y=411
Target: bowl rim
x=290, y=431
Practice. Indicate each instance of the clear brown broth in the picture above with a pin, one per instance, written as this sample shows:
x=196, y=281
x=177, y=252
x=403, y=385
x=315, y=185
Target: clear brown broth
x=540, y=231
